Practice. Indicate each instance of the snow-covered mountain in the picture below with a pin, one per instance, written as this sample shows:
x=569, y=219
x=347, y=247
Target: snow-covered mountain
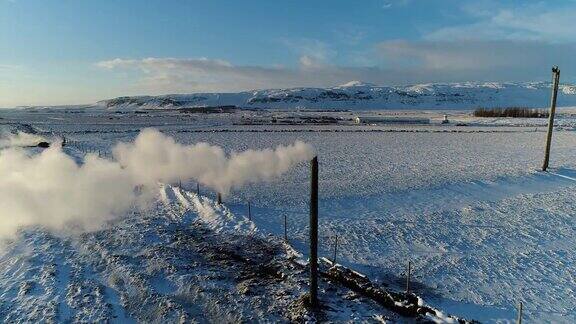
x=357, y=95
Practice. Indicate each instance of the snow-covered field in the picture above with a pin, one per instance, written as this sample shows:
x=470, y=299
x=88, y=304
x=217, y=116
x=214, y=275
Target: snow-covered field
x=483, y=228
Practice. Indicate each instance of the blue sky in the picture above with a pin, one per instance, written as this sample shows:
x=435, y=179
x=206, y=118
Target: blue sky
x=81, y=51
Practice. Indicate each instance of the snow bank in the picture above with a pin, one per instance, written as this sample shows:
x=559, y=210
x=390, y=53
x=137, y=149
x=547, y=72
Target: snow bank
x=214, y=216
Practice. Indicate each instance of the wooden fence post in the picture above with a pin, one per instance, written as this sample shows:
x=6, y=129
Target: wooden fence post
x=408, y=277
x=555, y=81
x=197, y=189
x=519, y=320
x=335, y=249
x=249, y=212
x=314, y=232
x=285, y=228
x=219, y=198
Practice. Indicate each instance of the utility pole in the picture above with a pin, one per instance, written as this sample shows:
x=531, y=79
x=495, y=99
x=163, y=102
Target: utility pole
x=314, y=232
x=555, y=81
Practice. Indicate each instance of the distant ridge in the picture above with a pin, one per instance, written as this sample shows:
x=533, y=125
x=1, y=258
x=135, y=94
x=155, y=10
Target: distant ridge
x=357, y=95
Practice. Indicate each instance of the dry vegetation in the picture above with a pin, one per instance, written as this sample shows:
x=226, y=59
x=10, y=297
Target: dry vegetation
x=511, y=112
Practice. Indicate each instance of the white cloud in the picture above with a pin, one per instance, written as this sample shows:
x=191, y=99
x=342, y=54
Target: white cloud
x=394, y=3
x=314, y=49
x=400, y=62
x=526, y=21
x=498, y=43
x=350, y=34
x=161, y=75
x=480, y=59
x=475, y=54
x=9, y=68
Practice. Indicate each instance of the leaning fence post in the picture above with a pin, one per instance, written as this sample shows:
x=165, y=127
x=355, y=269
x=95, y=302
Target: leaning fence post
x=519, y=320
x=555, y=81
x=314, y=232
x=408, y=277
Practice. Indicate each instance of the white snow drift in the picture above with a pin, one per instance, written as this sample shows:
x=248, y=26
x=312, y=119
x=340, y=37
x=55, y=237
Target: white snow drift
x=50, y=189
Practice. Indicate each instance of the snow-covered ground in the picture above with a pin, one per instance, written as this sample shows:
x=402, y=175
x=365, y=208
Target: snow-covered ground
x=483, y=228
x=185, y=259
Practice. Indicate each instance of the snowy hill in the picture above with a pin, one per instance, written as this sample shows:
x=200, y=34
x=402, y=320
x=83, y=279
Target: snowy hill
x=356, y=95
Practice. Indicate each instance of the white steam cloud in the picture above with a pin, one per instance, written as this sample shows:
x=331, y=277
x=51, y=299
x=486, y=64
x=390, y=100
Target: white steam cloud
x=154, y=157
x=20, y=139
x=50, y=189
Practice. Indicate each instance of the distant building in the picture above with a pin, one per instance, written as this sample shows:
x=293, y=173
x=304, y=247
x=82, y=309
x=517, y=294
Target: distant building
x=390, y=120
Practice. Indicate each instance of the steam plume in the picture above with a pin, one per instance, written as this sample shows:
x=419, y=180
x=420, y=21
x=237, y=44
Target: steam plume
x=20, y=139
x=50, y=189
x=154, y=157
